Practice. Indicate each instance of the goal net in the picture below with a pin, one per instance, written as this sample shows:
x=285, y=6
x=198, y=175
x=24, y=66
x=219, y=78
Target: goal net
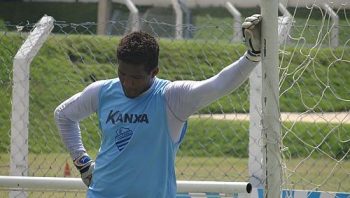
x=314, y=98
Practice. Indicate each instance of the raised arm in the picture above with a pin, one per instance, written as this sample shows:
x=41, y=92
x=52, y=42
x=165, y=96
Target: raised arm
x=186, y=97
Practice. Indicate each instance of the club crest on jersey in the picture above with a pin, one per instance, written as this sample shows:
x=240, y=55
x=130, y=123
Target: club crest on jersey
x=122, y=138
x=118, y=117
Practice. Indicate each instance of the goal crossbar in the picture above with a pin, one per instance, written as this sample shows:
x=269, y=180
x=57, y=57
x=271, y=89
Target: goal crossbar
x=76, y=184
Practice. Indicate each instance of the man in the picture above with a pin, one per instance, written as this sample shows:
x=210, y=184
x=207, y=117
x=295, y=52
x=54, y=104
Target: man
x=143, y=118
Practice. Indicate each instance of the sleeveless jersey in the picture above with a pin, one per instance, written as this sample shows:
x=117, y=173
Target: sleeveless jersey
x=137, y=154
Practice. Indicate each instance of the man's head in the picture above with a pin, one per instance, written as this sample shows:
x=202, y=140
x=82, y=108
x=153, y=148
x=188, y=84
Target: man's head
x=137, y=55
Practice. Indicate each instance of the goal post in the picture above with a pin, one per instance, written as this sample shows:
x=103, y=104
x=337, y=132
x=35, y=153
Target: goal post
x=270, y=116
x=265, y=131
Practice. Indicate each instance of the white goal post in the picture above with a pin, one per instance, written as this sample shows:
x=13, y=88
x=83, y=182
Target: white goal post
x=57, y=183
x=270, y=112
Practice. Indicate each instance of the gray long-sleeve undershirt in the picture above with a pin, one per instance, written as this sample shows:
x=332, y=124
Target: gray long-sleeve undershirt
x=183, y=98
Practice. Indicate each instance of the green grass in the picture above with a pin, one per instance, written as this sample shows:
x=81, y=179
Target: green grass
x=208, y=137
x=66, y=64
x=215, y=138
x=73, y=60
x=315, y=174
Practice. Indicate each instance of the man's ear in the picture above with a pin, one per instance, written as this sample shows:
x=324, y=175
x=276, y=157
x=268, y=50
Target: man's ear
x=155, y=71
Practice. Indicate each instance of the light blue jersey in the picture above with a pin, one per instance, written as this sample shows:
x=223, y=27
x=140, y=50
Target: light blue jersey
x=137, y=154
x=128, y=145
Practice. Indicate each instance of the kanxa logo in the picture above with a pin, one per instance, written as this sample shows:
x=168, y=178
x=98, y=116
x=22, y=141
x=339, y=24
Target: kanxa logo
x=116, y=116
x=122, y=138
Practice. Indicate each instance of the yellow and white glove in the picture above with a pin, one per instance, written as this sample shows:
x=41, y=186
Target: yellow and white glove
x=85, y=166
x=251, y=28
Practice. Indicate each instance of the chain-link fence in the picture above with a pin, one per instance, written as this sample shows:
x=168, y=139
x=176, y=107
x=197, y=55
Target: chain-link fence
x=314, y=98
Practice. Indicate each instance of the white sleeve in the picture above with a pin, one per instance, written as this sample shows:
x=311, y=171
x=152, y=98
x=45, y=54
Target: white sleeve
x=70, y=112
x=186, y=97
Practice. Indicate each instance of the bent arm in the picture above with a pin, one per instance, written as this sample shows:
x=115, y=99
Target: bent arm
x=70, y=112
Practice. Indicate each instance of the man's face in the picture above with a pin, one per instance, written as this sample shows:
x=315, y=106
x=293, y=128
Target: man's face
x=134, y=78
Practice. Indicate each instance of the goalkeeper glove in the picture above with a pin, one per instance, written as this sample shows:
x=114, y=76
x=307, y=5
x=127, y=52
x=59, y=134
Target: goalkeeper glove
x=251, y=28
x=85, y=166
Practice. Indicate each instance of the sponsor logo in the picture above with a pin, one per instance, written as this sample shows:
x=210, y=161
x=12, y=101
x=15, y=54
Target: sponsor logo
x=118, y=117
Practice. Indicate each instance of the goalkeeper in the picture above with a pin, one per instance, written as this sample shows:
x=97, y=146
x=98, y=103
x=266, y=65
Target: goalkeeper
x=143, y=118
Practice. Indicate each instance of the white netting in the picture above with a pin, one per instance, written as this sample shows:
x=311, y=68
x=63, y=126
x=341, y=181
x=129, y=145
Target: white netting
x=314, y=79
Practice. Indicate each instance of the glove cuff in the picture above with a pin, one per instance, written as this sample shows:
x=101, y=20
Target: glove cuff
x=83, y=163
x=255, y=57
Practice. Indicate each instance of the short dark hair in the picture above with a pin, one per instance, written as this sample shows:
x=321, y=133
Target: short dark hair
x=139, y=48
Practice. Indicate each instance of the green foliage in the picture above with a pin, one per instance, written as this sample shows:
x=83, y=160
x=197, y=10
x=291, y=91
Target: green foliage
x=208, y=137
x=70, y=63
x=316, y=31
x=314, y=80
x=315, y=140
x=208, y=27
x=9, y=44
x=2, y=25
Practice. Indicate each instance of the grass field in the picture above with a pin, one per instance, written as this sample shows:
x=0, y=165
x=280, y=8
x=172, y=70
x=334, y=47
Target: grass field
x=208, y=137
x=315, y=174
x=83, y=57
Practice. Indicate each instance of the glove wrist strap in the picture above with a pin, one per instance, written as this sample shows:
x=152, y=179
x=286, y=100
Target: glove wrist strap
x=255, y=57
x=82, y=163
